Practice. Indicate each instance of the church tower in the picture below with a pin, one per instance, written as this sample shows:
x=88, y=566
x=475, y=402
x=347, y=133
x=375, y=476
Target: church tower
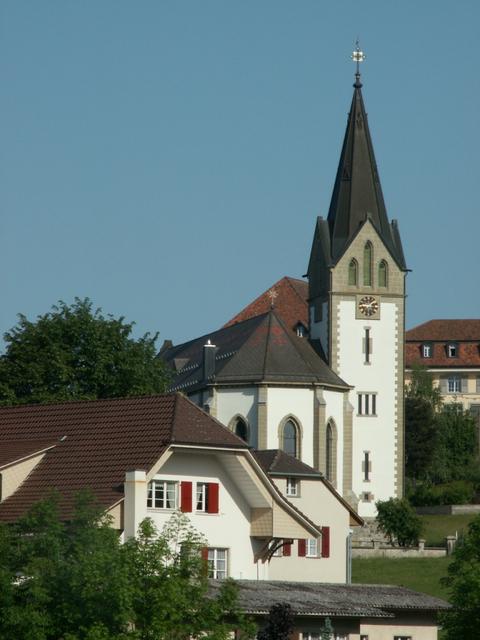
x=357, y=308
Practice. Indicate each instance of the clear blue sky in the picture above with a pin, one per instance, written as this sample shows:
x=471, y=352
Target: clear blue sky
x=168, y=158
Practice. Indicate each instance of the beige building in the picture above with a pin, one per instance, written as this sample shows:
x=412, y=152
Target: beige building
x=450, y=350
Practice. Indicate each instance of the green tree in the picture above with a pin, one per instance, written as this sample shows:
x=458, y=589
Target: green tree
x=398, y=521
x=75, y=352
x=455, y=454
x=75, y=580
x=422, y=387
x=420, y=437
x=463, y=580
x=279, y=624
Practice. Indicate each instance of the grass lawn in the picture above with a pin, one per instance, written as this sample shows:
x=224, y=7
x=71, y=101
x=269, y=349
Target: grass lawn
x=437, y=528
x=420, y=574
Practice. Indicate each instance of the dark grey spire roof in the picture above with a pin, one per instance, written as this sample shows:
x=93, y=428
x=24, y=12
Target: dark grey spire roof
x=260, y=349
x=357, y=193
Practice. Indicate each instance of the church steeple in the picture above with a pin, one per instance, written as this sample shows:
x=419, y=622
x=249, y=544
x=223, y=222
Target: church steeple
x=357, y=192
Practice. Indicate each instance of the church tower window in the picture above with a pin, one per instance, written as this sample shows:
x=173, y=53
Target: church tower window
x=367, y=264
x=290, y=438
x=383, y=274
x=329, y=460
x=241, y=429
x=353, y=272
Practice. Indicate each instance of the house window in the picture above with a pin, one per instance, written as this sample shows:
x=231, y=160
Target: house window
x=454, y=384
x=162, y=494
x=292, y=487
x=402, y=637
x=241, y=429
x=289, y=438
x=426, y=350
x=367, y=264
x=383, y=274
x=217, y=564
x=207, y=497
x=367, y=404
x=353, y=272
x=367, y=496
x=301, y=330
x=311, y=548
x=452, y=349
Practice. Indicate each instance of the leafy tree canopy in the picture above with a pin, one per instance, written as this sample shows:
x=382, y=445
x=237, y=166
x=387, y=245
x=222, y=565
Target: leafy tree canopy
x=76, y=581
x=75, y=352
x=279, y=624
x=422, y=387
x=398, y=521
x=463, y=580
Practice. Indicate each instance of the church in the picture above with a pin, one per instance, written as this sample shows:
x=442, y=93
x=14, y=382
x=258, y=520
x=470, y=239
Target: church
x=317, y=369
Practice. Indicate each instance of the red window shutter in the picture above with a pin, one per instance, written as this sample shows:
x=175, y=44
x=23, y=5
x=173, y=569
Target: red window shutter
x=205, y=554
x=212, y=497
x=186, y=497
x=302, y=547
x=287, y=548
x=325, y=542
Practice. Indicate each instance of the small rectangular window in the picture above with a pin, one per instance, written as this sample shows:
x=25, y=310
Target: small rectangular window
x=292, y=487
x=427, y=351
x=312, y=548
x=452, y=350
x=217, y=564
x=367, y=346
x=162, y=494
x=454, y=384
x=366, y=466
x=202, y=494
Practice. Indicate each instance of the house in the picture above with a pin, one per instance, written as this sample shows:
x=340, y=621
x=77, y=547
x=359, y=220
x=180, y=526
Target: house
x=271, y=521
x=317, y=369
x=450, y=350
x=152, y=456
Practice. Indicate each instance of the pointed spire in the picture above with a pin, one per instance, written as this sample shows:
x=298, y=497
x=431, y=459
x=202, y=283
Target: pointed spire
x=357, y=193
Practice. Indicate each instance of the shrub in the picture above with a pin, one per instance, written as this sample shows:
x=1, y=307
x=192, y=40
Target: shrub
x=399, y=522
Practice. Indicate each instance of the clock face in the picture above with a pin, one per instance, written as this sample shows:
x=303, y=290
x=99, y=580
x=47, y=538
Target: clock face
x=368, y=306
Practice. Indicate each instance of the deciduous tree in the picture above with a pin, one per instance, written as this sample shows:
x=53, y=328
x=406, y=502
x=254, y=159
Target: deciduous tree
x=76, y=352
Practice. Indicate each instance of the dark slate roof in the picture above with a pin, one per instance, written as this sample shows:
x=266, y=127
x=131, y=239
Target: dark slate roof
x=260, y=349
x=15, y=450
x=290, y=303
x=276, y=461
x=334, y=600
x=357, y=193
x=104, y=439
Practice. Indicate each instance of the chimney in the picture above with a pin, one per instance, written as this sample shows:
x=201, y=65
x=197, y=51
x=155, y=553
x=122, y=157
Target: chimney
x=209, y=351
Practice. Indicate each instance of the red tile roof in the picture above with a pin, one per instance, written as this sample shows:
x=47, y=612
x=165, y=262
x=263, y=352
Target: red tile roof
x=440, y=332
x=104, y=439
x=290, y=303
x=16, y=450
x=444, y=330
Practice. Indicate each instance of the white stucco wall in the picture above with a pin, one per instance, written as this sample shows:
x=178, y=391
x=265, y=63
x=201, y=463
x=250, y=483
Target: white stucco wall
x=324, y=509
x=375, y=434
x=298, y=403
x=240, y=401
x=230, y=528
x=334, y=410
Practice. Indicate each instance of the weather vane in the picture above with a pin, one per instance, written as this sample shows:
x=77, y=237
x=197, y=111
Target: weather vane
x=358, y=56
x=272, y=294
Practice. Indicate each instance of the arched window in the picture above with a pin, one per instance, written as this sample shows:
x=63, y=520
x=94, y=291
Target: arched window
x=367, y=264
x=290, y=439
x=383, y=274
x=241, y=429
x=329, y=453
x=352, y=272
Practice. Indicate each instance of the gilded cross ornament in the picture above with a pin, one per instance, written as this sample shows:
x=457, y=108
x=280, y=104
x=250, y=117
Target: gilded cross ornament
x=272, y=294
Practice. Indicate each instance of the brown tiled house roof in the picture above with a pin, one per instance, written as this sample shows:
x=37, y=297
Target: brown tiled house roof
x=98, y=441
x=290, y=303
x=439, y=333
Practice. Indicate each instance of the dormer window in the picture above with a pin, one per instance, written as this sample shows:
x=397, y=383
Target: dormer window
x=301, y=330
x=452, y=350
x=426, y=350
